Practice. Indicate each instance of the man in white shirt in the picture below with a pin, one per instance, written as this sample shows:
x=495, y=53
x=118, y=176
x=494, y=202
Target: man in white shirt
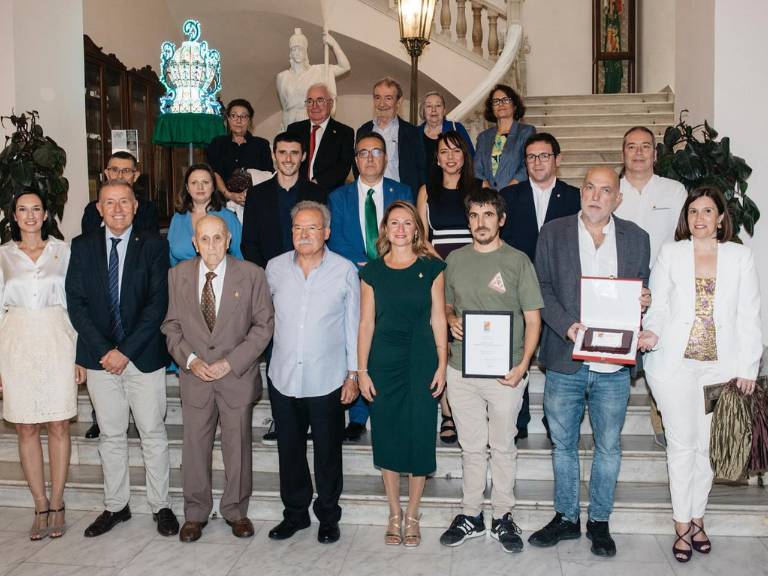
x=592, y=242
x=316, y=294
x=219, y=322
x=653, y=203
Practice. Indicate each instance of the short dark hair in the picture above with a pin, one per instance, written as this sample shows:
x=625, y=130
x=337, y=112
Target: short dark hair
x=543, y=137
x=388, y=81
x=517, y=102
x=467, y=176
x=184, y=203
x=479, y=195
x=243, y=103
x=724, y=231
x=639, y=129
x=15, y=230
x=287, y=137
x=123, y=155
x=363, y=135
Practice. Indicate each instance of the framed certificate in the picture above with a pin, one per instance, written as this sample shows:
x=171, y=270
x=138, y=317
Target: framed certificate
x=487, y=348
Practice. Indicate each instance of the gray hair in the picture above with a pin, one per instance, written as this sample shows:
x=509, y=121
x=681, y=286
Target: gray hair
x=312, y=205
x=424, y=100
x=322, y=85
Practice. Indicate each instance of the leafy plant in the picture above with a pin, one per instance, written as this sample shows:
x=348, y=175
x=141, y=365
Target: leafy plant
x=31, y=160
x=694, y=156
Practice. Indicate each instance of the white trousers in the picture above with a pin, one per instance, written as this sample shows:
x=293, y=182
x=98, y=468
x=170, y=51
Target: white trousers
x=113, y=397
x=485, y=413
x=680, y=398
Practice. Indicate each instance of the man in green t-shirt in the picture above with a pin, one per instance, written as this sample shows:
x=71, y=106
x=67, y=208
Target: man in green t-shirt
x=489, y=275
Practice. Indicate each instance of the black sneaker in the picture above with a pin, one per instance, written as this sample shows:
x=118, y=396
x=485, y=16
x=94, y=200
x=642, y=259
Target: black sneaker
x=558, y=529
x=602, y=543
x=354, y=432
x=507, y=533
x=271, y=436
x=461, y=528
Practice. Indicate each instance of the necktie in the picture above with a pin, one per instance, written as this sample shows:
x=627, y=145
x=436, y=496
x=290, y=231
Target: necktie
x=371, y=226
x=114, y=292
x=312, y=145
x=208, y=301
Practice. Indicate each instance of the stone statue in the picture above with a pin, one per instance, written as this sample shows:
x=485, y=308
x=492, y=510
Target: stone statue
x=292, y=84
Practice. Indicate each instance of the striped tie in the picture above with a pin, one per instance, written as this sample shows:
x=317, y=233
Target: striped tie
x=114, y=293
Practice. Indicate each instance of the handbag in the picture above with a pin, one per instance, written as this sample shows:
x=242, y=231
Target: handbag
x=730, y=441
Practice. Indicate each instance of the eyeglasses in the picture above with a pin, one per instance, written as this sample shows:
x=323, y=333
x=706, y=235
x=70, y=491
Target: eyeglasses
x=319, y=101
x=375, y=152
x=500, y=101
x=241, y=117
x=115, y=171
x=543, y=157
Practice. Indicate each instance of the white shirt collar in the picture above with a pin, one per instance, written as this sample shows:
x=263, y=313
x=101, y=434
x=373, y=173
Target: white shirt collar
x=609, y=228
x=220, y=270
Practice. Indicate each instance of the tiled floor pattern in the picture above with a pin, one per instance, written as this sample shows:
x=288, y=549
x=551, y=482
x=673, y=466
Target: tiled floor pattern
x=135, y=548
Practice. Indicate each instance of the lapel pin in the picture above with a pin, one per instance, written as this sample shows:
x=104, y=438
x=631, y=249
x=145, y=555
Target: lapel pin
x=237, y=294
x=421, y=275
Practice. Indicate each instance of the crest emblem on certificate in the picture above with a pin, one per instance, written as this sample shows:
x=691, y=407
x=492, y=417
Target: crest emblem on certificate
x=497, y=284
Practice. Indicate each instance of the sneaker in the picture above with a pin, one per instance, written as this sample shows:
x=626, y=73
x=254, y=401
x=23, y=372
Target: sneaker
x=271, y=436
x=602, y=543
x=461, y=528
x=507, y=533
x=354, y=432
x=558, y=529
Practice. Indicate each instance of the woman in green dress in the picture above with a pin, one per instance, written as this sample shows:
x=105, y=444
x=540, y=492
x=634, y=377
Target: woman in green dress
x=403, y=353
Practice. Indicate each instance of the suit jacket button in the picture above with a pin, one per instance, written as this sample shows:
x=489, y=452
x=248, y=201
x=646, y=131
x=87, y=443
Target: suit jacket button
x=211, y=347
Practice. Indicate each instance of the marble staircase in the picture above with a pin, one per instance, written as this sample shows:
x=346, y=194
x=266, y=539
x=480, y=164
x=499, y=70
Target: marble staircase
x=642, y=495
x=590, y=127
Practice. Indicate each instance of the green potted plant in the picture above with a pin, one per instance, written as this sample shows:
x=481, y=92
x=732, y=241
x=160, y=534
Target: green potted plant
x=694, y=156
x=31, y=160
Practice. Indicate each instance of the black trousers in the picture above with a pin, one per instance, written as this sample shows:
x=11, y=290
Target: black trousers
x=292, y=417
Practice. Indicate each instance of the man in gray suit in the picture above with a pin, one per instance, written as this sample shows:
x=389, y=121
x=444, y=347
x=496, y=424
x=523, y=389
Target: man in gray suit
x=590, y=243
x=219, y=321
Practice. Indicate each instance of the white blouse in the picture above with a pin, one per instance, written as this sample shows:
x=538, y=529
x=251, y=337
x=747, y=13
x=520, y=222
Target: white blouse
x=33, y=285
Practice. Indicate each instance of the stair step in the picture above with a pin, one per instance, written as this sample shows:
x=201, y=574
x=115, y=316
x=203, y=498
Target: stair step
x=602, y=98
x=598, y=130
x=595, y=156
x=643, y=460
x=639, y=508
x=541, y=121
x=598, y=108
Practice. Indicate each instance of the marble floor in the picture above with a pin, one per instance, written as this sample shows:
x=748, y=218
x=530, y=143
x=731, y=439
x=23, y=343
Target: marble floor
x=135, y=548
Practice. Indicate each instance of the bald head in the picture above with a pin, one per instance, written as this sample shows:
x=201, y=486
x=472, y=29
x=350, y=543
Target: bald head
x=211, y=240
x=600, y=195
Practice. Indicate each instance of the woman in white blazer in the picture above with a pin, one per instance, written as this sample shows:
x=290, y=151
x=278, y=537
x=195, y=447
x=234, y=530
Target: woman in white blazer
x=703, y=327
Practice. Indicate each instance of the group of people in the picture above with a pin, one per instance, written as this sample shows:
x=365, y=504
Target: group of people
x=355, y=293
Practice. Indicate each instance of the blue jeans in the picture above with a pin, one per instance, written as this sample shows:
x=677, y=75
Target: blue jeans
x=359, y=411
x=564, y=398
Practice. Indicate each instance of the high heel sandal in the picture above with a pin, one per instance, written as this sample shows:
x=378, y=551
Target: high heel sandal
x=680, y=554
x=394, y=534
x=412, y=532
x=701, y=546
x=39, y=528
x=56, y=529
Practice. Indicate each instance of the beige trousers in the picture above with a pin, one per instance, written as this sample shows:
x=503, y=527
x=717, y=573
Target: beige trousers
x=485, y=413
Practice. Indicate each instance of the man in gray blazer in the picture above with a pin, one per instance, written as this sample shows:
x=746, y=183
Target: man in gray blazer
x=219, y=321
x=590, y=243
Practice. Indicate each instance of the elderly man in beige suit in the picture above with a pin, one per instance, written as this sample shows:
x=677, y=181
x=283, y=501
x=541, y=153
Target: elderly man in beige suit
x=220, y=319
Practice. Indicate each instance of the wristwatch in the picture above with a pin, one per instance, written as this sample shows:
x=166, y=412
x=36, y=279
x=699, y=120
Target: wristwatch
x=351, y=376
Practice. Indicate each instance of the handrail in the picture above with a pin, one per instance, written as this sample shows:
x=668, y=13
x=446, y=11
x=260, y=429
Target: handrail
x=505, y=61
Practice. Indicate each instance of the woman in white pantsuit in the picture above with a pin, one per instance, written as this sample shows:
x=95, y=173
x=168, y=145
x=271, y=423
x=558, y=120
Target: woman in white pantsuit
x=38, y=376
x=703, y=327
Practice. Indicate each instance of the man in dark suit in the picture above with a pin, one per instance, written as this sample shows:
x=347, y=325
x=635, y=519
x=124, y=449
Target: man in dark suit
x=590, y=243
x=122, y=165
x=267, y=214
x=356, y=211
x=329, y=145
x=405, y=148
x=532, y=203
x=117, y=295
x=219, y=321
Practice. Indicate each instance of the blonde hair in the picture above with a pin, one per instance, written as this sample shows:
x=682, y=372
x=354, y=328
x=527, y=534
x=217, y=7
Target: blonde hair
x=419, y=243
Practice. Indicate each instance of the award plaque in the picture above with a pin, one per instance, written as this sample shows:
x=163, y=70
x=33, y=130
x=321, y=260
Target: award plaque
x=487, y=346
x=607, y=340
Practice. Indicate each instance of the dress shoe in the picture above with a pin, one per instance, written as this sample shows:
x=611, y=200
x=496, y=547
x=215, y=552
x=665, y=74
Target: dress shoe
x=106, y=521
x=242, y=528
x=286, y=529
x=354, y=431
x=328, y=533
x=167, y=525
x=191, y=531
x=602, y=543
x=93, y=431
